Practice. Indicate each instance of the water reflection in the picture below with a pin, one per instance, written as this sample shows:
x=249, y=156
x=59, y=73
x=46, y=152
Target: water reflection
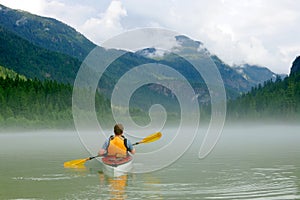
x=115, y=185
x=78, y=171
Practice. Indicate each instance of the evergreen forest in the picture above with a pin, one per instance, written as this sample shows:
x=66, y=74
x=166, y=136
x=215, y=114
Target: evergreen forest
x=276, y=100
x=26, y=103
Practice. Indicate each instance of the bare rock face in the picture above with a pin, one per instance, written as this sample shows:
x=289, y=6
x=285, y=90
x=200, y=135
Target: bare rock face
x=296, y=66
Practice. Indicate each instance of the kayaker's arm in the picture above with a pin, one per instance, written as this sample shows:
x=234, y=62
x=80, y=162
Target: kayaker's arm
x=132, y=151
x=130, y=147
x=101, y=152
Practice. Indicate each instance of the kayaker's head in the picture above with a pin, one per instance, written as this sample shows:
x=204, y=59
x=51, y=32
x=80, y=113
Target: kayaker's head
x=118, y=129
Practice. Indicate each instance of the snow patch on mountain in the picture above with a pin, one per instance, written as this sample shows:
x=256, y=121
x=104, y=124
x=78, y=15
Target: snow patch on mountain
x=152, y=53
x=241, y=72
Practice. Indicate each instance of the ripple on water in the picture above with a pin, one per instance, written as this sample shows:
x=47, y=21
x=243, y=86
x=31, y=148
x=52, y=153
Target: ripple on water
x=45, y=177
x=264, y=184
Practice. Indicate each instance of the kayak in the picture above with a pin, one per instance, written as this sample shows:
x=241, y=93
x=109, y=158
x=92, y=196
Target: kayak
x=116, y=166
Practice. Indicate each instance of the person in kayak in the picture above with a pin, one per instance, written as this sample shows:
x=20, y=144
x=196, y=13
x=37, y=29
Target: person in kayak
x=117, y=145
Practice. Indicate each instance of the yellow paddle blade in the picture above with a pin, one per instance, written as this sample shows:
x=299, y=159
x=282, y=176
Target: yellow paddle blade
x=79, y=163
x=151, y=138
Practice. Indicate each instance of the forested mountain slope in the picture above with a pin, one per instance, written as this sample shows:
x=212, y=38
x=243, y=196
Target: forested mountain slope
x=276, y=100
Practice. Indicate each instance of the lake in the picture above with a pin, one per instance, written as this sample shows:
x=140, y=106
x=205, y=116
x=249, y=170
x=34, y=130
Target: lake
x=259, y=162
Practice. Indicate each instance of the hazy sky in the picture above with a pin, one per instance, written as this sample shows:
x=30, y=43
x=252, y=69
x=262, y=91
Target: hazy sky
x=263, y=32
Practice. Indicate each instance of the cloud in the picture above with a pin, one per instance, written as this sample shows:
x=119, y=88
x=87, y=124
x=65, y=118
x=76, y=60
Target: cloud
x=241, y=31
x=73, y=14
x=289, y=53
x=34, y=6
x=107, y=24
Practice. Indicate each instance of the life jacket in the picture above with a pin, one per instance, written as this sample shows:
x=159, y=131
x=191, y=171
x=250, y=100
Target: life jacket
x=117, y=146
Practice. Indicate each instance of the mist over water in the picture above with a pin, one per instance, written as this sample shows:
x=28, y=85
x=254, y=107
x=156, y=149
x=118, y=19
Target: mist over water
x=249, y=162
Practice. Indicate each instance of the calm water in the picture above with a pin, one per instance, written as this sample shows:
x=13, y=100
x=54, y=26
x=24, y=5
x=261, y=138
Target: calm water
x=255, y=162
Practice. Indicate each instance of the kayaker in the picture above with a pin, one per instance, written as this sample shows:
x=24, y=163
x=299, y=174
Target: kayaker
x=117, y=145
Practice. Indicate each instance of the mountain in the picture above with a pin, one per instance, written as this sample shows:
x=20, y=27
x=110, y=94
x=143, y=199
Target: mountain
x=296, y=66
x=45, y=32
x=255, y=74
x=278, y=99
x=237, y=79
x=33, y=61
x=45, y=48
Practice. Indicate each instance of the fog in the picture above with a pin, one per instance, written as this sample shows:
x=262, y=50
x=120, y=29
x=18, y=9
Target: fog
x=252, y=161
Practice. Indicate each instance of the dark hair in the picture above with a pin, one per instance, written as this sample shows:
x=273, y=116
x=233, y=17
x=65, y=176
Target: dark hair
x=118, y=129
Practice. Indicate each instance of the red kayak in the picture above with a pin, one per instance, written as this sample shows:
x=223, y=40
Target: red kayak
x=117, y=166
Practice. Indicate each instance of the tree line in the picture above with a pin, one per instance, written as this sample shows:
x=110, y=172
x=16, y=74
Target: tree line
x=31, y=103
x=34, y=103
x=279, y=99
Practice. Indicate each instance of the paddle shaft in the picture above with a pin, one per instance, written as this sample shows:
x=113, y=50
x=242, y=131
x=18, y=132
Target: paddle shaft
x=92, y=157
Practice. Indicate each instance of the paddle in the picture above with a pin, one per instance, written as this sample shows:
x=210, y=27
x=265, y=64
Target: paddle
x=79, y=163
x=149, y=138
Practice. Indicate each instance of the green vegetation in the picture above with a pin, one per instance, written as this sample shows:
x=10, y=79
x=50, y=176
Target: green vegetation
x=32, y=103
x=272, y=100
x=35, y=62
x=4, y=72
x=36, y=104
x=27, y=103
x=46, y=32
